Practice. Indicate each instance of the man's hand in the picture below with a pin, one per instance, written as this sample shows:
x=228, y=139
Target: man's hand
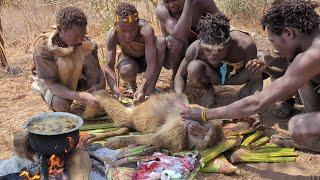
x=139, y=97
x=192, y=113
x=256, y=66
x=116, y=93
x=88, y=99
x=94, y=88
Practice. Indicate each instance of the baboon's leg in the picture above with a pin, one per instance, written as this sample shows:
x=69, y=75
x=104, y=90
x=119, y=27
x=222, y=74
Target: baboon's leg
x=172, y=135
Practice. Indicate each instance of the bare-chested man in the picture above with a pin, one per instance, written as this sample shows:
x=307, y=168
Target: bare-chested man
x=205, y=62
x=293, y=29
x=71, y=30
x=178, y=21
x=275, y=67
x=141, y=51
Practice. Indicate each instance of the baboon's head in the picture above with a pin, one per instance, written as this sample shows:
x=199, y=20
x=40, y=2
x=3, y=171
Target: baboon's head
x=203, y=135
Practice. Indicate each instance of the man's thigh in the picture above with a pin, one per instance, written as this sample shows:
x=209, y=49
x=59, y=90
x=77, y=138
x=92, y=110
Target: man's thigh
x=309, y=97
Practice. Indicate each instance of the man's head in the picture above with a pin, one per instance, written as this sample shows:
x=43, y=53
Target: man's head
x=174, y=7
x=127, y=21
x=214, y=35
x=288, y=22
x=72, y=25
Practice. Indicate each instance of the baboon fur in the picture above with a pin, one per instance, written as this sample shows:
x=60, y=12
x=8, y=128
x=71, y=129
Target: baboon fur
x=158, y=119
x=70, y=61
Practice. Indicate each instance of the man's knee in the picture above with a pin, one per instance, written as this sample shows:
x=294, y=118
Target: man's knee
x=161, y=49
x=304, y=130
x=174, y=45
x=127, y=72
x=59, y=104
x=161, y=44
x=294, y=124
x=197, y=74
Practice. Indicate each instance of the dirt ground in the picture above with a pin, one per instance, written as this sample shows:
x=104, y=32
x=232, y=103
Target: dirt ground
x=18, y=102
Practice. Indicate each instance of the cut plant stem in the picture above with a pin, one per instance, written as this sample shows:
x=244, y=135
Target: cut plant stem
x=222, y=147
x=260, y=142
x=194, y=174
x=251, y=138
x=273, y=149
x=140, y=152
x=131, y=150
x=96, y=126
x=269, y=145
x=243, y=155
x=219, y=165
x=119, y=132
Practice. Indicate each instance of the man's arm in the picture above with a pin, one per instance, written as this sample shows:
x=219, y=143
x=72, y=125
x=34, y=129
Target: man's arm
x=102, y=81
x=182, y=73
x=177, y=29
x=111, y=46
x=180, y=29
x=304, y=68
x=150, y=77
x=167, y=23
x=60, y=90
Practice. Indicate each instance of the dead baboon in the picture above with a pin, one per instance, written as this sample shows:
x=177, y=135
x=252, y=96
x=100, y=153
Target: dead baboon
x=159, y=120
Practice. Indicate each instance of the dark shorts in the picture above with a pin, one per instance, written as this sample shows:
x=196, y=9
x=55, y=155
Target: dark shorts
x=141, y=62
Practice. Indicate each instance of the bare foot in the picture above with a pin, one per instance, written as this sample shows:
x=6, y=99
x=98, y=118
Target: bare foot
x=283, y=141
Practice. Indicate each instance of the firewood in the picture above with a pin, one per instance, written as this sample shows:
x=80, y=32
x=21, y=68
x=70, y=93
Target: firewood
x=79, y=165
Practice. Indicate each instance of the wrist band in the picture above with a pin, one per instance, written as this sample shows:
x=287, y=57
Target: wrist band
x=204, y=114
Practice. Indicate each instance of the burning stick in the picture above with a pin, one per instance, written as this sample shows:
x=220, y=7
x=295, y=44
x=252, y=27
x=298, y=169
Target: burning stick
x=121, y=131
x=79, y=165
x=24, y=175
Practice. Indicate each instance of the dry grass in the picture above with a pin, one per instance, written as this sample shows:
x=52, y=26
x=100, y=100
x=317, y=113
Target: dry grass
x=23, y=21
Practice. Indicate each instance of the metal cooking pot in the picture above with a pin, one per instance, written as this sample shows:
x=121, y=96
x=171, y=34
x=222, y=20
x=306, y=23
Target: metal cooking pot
x=57, y=143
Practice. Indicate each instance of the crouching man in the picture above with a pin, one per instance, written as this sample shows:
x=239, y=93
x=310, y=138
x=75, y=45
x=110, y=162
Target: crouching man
x=207, y=60
x=51, y=48
x=141, y=51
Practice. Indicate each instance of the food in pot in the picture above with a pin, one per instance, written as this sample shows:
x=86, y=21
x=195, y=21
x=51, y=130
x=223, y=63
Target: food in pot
x=52, y=125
